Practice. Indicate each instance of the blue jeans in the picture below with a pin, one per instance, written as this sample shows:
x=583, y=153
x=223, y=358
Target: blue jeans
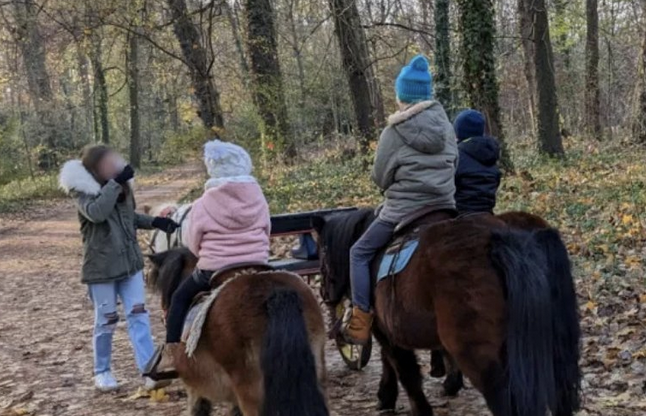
x=133, y=297
x=361, y=255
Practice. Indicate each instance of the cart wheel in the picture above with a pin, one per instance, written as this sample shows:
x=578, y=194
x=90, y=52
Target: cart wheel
x=355, y=357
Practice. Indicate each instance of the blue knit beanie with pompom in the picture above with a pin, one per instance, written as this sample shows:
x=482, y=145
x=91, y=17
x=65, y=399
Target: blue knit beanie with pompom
x=415, y=82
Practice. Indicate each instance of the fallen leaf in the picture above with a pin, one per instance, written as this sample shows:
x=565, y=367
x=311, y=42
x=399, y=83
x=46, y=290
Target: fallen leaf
x=141, y=393
x=158, y=396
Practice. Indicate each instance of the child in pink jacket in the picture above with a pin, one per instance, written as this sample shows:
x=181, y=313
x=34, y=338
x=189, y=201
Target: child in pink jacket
x=229, y=224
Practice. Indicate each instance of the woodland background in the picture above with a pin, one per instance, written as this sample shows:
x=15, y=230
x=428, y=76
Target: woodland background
x=306, y=85
x=155, y=77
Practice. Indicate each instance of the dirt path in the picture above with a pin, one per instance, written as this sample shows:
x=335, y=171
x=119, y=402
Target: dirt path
x=46, y=328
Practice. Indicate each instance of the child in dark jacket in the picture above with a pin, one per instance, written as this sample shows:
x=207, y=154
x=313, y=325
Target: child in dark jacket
x=477, y=178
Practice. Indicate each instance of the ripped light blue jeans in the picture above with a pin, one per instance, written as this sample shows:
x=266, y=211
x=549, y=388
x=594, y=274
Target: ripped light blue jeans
x=132, y=293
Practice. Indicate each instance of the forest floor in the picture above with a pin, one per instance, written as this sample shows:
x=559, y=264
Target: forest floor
x=46, y=319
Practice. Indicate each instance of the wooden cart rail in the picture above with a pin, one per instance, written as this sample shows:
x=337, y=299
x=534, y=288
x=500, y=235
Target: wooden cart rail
x=304, y=260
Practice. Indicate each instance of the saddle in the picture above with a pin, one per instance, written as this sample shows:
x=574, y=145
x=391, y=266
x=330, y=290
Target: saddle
x=400, y=250
x=224, y=273
x=202, y=303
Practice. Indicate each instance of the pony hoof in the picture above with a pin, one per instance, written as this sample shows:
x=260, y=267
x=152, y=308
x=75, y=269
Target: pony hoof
x=235, y=412
x=437, y=372
x=452, y=387
x=386, y=409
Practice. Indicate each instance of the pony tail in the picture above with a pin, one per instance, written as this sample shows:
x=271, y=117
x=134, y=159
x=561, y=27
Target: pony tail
x=526, y=385
x=290, y=378
x=567, y=330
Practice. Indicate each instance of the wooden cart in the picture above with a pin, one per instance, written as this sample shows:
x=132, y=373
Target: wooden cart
x=305, y=262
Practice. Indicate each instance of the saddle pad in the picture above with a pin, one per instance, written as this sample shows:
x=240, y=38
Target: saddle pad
x=197, y=316
x=393, y=263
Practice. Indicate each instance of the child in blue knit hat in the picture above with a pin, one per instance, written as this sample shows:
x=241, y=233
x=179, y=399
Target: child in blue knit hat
x=414, y=167
x=478, y=176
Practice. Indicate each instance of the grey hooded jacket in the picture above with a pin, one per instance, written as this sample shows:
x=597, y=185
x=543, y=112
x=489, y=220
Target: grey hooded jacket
x=416, y=159
x=108, y=227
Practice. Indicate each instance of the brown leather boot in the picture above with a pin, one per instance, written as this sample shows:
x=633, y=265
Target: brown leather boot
x=162, y=364
x=357, y=330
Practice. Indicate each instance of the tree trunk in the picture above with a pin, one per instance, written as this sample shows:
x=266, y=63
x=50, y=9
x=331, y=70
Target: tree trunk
x=526, y=30
x=133, y=94
x=237, y=39
x=32, y=47
x=296, y=48
x=443, y=54
x=86, y=91
x=549, y=135
x=478, y=36
x=100, y=91
x=356, y=64
x=592, y=110
x=639, y=126
x=266, y=76
x=195, y=57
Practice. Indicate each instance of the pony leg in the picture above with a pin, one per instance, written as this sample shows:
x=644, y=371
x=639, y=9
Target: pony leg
x=235, y=411
x=454, y=381
x=249, y=395
x=438, y=369
x=198, y=406
x=388, y=388
x=404, y=362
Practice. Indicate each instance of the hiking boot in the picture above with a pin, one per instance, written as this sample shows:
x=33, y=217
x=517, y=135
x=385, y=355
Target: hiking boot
x=162, y=364
x=105, y=382
x=357, y=330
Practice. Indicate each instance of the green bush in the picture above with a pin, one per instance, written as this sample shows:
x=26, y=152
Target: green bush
x=20, y=193
x=180, y=146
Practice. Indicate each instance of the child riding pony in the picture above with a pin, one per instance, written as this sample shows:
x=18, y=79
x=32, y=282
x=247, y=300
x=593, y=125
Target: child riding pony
x=496, y=294
x=229, y=225
x=414, y=167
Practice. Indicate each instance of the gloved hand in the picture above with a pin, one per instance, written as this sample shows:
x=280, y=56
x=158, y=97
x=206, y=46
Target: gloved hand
x=126, y=174
x=165, y=224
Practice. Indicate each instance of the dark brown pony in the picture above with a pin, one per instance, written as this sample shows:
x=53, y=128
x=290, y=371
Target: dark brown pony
x=498, y=299
x=262, y=344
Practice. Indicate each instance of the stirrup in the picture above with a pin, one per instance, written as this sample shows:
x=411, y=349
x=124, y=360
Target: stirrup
x=151, y=368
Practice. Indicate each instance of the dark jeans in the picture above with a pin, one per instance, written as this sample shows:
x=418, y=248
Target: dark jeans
x=181, y=302
x=361, y=254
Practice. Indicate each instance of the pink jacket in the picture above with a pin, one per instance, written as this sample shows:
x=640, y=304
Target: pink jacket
x=230, y=224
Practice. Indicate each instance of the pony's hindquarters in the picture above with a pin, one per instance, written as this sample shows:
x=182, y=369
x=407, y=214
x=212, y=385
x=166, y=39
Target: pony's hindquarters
x=541, y=372
x=566, y=327
x=292, y=373
x=525, y=386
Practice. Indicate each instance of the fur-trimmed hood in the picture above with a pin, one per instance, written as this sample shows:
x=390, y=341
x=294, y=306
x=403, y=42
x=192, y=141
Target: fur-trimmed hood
x=422, y=126
x=413, y=110
x=75, y=178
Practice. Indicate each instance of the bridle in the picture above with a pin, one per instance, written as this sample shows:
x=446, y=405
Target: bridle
x=178, y=231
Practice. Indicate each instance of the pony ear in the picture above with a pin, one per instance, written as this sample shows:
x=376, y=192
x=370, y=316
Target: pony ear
x=158, y=259
x=318, y=223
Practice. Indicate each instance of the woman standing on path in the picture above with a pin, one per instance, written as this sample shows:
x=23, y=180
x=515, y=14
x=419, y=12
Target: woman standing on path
x=112, y=260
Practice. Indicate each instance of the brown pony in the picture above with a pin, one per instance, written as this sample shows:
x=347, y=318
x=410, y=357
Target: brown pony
x=262, y=344
x=499, y=300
